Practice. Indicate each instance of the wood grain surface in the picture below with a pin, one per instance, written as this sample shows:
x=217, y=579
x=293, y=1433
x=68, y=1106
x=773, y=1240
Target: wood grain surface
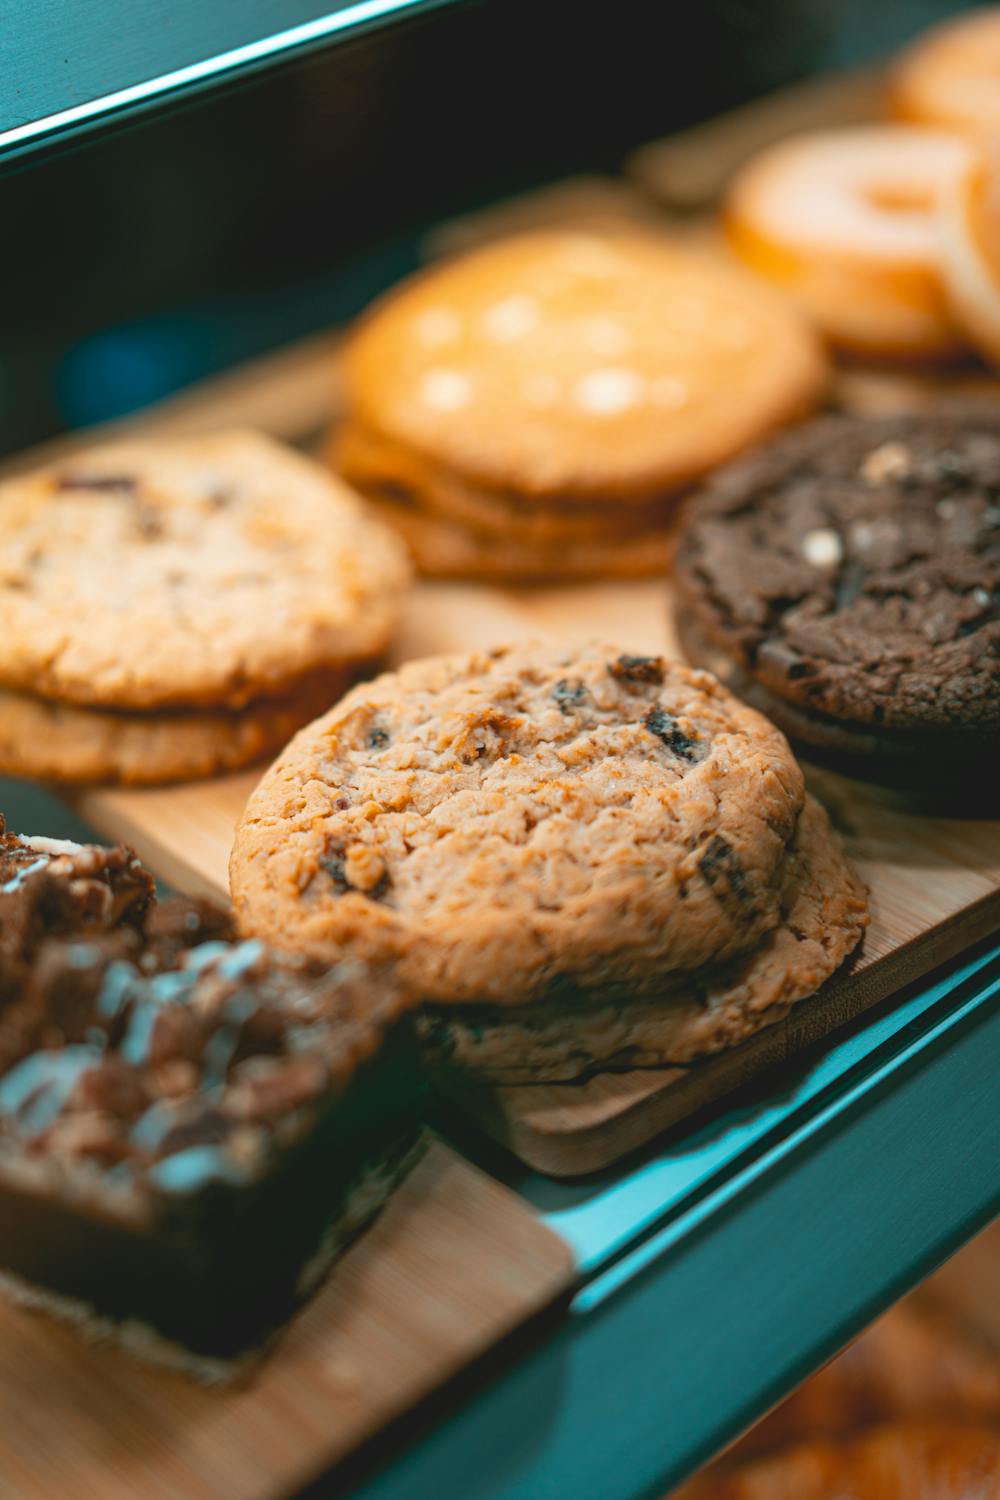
x=935, y=884
x=454, y=1263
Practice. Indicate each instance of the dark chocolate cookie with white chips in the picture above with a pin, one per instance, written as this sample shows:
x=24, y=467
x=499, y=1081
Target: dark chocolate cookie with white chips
x=845, y=579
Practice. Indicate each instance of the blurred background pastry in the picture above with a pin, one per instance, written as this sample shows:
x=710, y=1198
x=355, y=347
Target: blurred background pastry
x=531, y=410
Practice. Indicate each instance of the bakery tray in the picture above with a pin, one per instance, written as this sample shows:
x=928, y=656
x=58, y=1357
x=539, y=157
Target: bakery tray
x=660, y=1306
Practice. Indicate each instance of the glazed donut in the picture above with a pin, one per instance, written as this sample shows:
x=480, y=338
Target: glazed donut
x=847, y=222
x=950, y=75
x=888, y=1463
x=970, y=250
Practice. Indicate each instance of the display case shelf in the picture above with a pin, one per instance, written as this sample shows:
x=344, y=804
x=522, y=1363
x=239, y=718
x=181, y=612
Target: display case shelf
x=724, y=1262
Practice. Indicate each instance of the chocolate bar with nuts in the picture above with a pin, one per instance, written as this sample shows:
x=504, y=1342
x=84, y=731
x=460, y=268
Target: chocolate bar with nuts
x=192, y=1129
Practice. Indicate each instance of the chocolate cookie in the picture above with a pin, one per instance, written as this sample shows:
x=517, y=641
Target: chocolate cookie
x=206, y=571
x=541, y=831
x=846, y=580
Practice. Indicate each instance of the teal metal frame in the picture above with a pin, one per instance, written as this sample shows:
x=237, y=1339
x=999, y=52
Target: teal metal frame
x=720, y=1272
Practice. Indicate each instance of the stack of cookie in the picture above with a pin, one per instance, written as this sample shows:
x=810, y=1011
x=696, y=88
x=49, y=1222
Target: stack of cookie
x=173, y=609
x=845, y=579
x=580, y=860
x=531, y=410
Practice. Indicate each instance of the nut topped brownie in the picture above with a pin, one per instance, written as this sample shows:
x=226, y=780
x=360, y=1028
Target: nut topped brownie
x=51, y=887
x=192, y=1128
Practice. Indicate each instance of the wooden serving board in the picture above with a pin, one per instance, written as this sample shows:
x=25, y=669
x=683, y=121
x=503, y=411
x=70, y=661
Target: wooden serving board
x=935, y=884
x=453, y=1264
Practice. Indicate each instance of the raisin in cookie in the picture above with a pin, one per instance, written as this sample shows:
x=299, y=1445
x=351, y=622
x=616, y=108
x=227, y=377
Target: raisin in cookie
x=210, y=570
x=532, y=828
x=846, y=580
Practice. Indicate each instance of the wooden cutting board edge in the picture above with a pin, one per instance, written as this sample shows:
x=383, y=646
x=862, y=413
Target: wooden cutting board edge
x=572, y=1141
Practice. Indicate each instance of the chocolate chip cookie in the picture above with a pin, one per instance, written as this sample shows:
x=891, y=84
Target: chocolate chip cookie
x=547, y=832
x=846, y=580
x=206, y=571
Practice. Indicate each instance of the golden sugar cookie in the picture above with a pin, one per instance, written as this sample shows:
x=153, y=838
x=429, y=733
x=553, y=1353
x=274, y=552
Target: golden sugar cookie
x=444, y=549
x=201, y=571
x=950, y=75
x=847, y=221
x=970, y=236
x=569, y=366
x=398, y=477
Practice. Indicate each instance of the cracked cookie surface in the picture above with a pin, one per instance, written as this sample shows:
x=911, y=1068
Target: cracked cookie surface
x=851, y=569
x=518, y=822
x=211, y=570
x=824, y=912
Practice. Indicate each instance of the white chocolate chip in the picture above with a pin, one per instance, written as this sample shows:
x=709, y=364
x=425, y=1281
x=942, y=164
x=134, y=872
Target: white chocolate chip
x=510, y=319
x=890, y=461
x=445, y=390
x=822, y=547
x=438, y=326
x=607, y=392
x=946, y=509
x=981, y=597
x=42, y=845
